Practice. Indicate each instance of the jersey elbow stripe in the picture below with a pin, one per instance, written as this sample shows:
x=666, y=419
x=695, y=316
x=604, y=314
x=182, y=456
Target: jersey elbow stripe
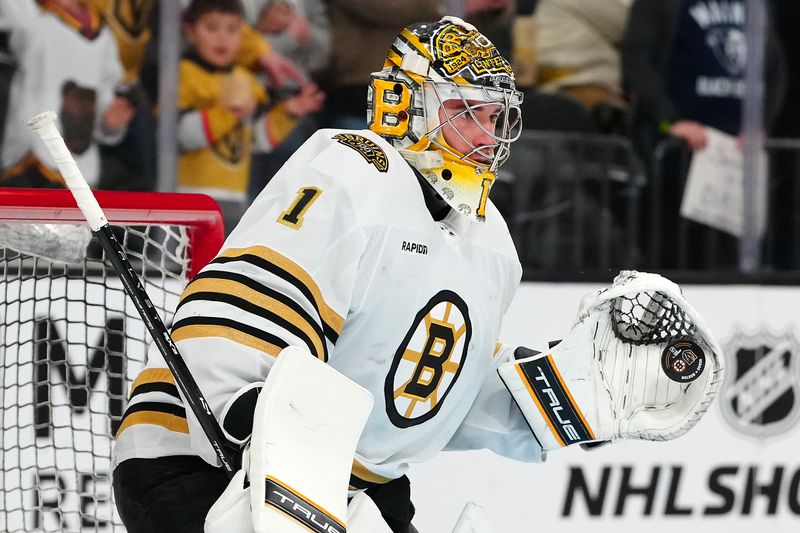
x=153, y=375
x=286, y=269
x=363, y=478
x=258, y=300
x=166, y=388
x=154, y=380
x=202, y=326
x=169, y=416
x=313, y=340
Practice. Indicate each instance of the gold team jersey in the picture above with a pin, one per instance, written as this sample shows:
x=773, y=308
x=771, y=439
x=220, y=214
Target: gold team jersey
x=216, y=146
x=129, y=20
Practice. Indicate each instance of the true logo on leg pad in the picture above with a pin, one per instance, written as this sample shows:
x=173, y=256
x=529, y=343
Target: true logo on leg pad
x=300, y=508
x=683, y=361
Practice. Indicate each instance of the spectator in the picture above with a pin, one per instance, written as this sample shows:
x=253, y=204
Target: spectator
x=223, y=111
x=494, y=19
x=683, y=69
x=130, y=165
x=298, y=29
x=523, y=49
x=67, y=62
x=361, y=32
x=577, y=49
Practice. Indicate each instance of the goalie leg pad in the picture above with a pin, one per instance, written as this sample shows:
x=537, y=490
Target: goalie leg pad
x=363, y=516
x=231, y=512
x=307, y=422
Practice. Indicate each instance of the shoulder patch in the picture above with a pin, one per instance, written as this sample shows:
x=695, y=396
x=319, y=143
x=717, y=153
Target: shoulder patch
x=370, y=151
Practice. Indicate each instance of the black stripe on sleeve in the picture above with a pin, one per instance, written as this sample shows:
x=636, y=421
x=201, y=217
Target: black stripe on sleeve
x=227, y=323
x=254, y=309
x=159, y=407
x=270, y=293
x=286, y=276
x=166, y=388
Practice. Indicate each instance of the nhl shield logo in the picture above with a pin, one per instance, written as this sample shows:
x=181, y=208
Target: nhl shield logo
x=761, y=396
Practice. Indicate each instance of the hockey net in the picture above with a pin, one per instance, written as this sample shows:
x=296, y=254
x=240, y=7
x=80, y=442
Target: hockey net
x=71, y=342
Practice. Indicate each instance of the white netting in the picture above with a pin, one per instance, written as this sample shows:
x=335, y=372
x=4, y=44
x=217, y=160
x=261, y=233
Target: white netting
x=70, y=344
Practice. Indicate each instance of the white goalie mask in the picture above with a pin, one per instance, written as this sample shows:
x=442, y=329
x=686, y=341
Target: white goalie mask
x=446, y=99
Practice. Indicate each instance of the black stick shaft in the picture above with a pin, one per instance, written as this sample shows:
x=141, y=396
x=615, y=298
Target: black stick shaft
x=225, y=451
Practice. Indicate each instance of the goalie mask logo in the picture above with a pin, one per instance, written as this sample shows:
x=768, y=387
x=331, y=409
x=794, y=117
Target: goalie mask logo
x=760, y=395
x=428, y=361
x=458, y=50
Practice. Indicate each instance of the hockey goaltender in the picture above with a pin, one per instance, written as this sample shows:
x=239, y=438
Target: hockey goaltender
x=380, y=253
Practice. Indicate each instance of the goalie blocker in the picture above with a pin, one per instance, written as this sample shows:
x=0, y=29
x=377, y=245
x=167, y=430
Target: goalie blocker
x=638, y=363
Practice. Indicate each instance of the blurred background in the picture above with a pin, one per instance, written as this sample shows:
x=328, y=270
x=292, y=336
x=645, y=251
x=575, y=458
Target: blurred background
x=620, y=96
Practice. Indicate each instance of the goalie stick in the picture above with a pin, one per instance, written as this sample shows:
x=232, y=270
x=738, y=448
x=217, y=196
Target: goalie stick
x=44, y=125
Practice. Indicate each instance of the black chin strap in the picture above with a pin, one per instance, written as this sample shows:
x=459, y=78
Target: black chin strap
x=436, y=205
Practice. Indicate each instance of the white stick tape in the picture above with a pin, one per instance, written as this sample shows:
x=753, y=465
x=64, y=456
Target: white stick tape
x=44, y=125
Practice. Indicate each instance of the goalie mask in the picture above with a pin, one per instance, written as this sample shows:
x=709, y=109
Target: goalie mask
x=446, y=99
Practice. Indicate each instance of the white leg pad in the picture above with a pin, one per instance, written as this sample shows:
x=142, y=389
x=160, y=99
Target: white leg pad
x=308, y=420
x=363, y=516
x=473, y=519
x=231, y=512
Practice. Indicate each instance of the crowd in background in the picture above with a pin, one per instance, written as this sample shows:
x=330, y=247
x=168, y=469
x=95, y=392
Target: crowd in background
x=259, y=76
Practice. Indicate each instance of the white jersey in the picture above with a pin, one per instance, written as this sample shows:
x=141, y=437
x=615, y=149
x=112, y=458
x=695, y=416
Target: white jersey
x=339, y=255
x=56, y=63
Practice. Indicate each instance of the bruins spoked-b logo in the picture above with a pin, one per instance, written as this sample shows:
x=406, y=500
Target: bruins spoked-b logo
x=428, y=361
x=761, y=396
x=683, y=360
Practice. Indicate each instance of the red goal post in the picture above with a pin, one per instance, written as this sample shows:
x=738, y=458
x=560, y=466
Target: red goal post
x=71, y=341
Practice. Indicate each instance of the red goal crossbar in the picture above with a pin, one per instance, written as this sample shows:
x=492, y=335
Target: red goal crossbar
x=57, y=206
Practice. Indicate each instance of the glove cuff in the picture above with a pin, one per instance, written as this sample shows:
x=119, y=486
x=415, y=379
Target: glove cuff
x=545, y=400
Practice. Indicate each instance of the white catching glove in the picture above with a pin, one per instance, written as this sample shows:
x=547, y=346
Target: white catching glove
x=638, y=363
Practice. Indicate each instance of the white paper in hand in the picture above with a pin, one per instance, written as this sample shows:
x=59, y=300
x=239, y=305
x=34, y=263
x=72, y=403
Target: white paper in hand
x=714, y=193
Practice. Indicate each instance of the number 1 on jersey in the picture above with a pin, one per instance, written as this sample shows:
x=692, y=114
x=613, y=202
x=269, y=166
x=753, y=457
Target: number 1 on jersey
x=293, y=217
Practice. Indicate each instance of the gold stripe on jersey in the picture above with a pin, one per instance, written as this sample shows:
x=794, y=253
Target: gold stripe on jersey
x=362, y=472
x=168, y=421
x=153, y=375
x=197, y=331
x=331, y=319
x=158, y=413
x=261, y=300
x=497, y=348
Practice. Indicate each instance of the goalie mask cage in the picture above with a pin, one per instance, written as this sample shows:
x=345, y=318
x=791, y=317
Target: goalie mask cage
x=71, y=341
